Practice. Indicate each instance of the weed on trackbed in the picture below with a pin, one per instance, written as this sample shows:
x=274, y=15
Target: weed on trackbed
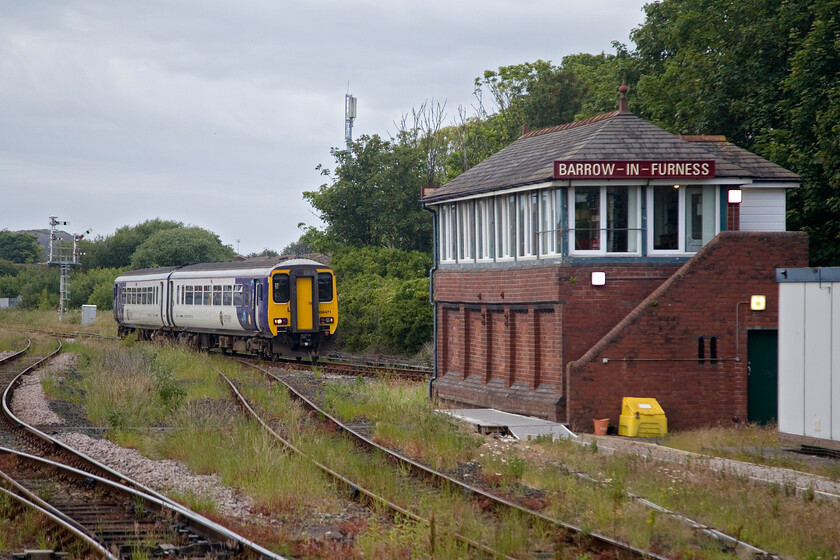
x=169, y=403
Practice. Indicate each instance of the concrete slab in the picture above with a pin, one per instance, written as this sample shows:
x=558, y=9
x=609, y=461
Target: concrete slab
x=489, y=420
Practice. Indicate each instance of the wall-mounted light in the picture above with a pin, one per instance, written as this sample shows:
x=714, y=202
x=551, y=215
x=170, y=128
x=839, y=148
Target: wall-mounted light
x=734, y=196
x=599, y=278
x=758, y=303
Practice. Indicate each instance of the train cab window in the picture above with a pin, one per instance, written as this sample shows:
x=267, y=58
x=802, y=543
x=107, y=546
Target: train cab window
x=280, y=288
x=325, y=286
x=217, y=295
x=226, y=295
x=207, y=291
x=237, y=295
x=188, y=295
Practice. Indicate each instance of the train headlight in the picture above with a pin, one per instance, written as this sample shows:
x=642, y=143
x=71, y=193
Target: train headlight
x=326, y=320
x=281, y=321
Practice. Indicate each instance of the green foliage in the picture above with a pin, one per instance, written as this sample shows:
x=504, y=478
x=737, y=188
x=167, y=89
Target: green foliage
x=807, y=142
x=383, y=299
x=534, y=93
x=374, y=199
x=764, y=73
x=264, y=253
x=116, y=251
x=100, y=281
x=37, y=284
x=178, y=246
x=20, y=247
x=7, y=268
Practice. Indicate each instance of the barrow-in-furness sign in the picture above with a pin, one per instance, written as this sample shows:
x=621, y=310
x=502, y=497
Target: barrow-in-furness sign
x=635, y=169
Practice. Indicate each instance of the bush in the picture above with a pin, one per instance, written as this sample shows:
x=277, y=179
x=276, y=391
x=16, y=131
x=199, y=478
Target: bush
x=383, y=299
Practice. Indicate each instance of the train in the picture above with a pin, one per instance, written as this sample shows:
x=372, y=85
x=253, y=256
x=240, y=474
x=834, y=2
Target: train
x=265, y=307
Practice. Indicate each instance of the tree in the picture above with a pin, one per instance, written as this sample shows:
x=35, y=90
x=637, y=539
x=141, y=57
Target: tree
x=374, y=199
x=715, y=67
x=173, y=247
x=264, y=253
x=764, y=73
x=807, y=140
x=116, y=251
x=384, y=299
x=20, y=247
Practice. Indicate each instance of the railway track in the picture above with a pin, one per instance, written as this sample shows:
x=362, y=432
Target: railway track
x=573, y=540
x=334, y=365
x=97, y=510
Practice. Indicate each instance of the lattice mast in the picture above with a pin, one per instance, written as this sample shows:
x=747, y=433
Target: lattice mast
x=65, y=256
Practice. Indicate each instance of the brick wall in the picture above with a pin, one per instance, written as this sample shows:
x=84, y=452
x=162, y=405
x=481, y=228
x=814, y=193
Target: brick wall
x=654, y=350
x=506, y=335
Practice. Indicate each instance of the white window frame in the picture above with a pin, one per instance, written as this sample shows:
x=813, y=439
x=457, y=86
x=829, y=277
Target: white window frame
x=447, y=232
x=484, y=229
x=681, y=217
x=525, y=227
x=602, y=223
x=550, y=229
x=466, y=231
x=505, y=225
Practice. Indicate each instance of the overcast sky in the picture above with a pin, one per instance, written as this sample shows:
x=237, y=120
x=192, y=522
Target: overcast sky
x=216, y=113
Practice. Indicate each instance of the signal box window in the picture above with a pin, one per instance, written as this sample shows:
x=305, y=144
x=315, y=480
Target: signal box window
x=280, y=288
x=325, y=286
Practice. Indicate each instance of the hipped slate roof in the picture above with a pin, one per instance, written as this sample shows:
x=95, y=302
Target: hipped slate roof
x=619, y=135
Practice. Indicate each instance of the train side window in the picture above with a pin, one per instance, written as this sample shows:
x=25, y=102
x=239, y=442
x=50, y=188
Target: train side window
x=188, y=295
x=217, y=295
x=226, y=295
x=198, y=297
x=280, y=288
x=325, y=286
x=237, y=295
x=207, y=292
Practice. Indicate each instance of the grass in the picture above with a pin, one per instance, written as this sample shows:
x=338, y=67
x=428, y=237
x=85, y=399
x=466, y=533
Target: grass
x=131, y=386
x=759, y=515
x=28, y=319
x=22, y=529
x=750, y=443
x=403, y=418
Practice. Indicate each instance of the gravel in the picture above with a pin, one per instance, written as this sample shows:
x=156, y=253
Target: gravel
x=166, y=476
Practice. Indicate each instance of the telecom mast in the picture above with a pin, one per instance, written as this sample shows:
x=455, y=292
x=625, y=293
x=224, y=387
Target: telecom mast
x=349, y=117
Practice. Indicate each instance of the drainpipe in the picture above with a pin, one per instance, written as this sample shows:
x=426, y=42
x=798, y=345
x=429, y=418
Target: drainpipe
x=432, y=298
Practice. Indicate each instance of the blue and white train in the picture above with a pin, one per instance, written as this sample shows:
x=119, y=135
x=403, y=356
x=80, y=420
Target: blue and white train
x=264, y=307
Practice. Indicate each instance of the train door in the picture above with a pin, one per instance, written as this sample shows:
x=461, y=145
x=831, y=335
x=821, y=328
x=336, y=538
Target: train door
x=162, y=305
x=258, y=303
x=305, y=296
x=303, y=303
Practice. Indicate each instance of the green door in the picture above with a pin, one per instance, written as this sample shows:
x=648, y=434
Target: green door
x=763, y=377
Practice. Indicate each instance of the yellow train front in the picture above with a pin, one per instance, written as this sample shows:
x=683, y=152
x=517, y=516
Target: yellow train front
x=260, y=307
x=301, y=308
